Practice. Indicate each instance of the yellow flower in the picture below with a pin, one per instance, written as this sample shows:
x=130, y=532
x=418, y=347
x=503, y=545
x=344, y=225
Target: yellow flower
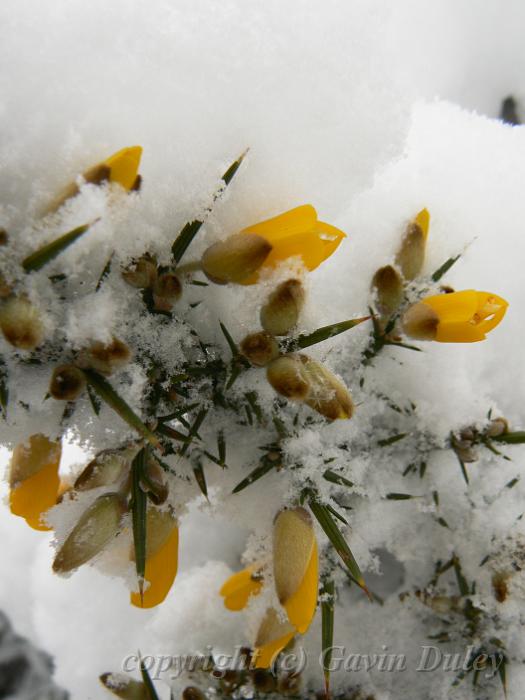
x=120, y=168
x=237, y=590
x=295, y=568
x=33, y=479
x=162, y=547
x=296, y=233
x=459, y=317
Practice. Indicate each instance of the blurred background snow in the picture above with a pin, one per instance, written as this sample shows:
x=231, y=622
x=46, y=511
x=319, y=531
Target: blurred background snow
x=368, y=109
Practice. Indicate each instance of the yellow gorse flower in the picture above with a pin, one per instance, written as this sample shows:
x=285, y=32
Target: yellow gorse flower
x=296, y=233
x=295, y=568
x=33, y=479
x=121, y=168
x=458, y=317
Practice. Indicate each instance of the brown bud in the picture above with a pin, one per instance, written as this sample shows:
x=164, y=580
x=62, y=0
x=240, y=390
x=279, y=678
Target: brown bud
x=328, y=396
x=259, y=348
x=95, y=529
x=420, y=321
x=389, y=288
x=105, y=359
x=20, y=323
x=236, y=258
x=411, y=255
x=5, y=287
x=154, y=482
x=142, y=273
x=287, y=376
x=264, y=681
x=293, y=545
x=166, y=290
x=500, y=586
x=67, y=383
x=124, y=687
x=281, y=312
x=192, y=693
x=290, y=684
x=4, y=237
x=497, y=427
x=108, y=467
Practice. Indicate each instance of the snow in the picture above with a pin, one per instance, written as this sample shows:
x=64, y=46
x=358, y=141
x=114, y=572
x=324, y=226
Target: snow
x=368, y=110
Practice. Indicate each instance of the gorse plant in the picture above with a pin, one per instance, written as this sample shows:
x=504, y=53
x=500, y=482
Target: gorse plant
x=174, y=405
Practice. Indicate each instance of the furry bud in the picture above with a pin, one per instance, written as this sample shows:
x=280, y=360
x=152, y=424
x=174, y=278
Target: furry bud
x=142, y=273
x=281, y=312
x=236, y=258
x=67, y=383
x=259, y=348
x=21, y=324
x=388, y=286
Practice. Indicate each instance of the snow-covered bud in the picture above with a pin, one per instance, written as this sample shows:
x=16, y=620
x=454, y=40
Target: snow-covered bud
x=293, y=547
x=287, y=376
x=192, y=693
x=105, y=359
x=497, y=427
x=389, y=287
x=411, y=255
x=142, y=273
x=107, y=467
x=236, y=258
x=124, y=687
x=21, y=323
x=166, y=290
x=67, y=383
x=463, y=445
x=500, y=585
x=420, y=321
x=154, y=482
x=328, y=396
x=259, y=348
x=281, y=312
x=97, y=526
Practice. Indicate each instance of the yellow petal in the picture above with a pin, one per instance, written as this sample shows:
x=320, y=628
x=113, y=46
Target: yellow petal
x=289, y=224
x=296, y=233
x=266, y=654
x=237, y=590
x=34, y=479
x=124, y=166
x=456, y=307
x=161, y=570
x=423, y=220
x=273, y=635
x=300, y=608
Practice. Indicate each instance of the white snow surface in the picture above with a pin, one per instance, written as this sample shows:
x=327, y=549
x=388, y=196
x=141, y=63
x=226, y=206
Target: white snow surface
x=370, y=111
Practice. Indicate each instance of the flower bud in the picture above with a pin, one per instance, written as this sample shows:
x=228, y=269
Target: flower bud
x=5, y=287
x=4, y=237
x=463, y=445
x=281, y=312
x=142, y=273
x=389, y=289
x=293, y=546
x=236, y=258
x=497, y=427
x=287, y=376
x=97, y=526
x=500, y=585
x=420, y=321
x=411, y=255
x=166, y=290
x=259, y=348
x=124, y=687
x=154, y=483
x=67, y=383
x=105, y=359
x=328, y=396
x=192, y=693
x=108, y=467
x=30, y=458
x=21, y=324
